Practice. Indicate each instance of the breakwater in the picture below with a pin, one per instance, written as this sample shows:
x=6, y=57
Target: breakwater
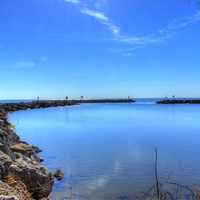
x=179, y=101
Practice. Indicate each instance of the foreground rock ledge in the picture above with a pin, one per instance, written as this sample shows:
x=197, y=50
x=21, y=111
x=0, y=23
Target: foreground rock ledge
x=22, y=176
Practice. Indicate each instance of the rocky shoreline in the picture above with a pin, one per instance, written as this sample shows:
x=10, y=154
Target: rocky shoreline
x=22, y=174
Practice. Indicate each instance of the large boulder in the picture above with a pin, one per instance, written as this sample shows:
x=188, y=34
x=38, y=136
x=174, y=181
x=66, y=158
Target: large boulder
x=5, y=162
x=36, y=177
x=23, y=148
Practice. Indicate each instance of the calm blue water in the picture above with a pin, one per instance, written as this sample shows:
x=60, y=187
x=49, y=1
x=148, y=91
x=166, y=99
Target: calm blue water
x=107, y=150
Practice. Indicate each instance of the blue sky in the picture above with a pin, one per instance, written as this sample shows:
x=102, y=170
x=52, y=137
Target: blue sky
x=99, y=48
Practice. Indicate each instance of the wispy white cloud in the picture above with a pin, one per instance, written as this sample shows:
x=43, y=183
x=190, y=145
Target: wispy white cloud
x=122, y=50
x=133, y=41
x=114, y=29
x=160, y=36
x=73, y=1
x=25, y=64
x=95, y=14
x=127, y=52
x=103, y=19
x=139, y=41
x=182, y=23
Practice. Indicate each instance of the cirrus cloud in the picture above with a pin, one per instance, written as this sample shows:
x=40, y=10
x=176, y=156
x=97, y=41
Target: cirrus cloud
x=25, y=64
x=73, y=1
x=103, y=19
x=160, y=36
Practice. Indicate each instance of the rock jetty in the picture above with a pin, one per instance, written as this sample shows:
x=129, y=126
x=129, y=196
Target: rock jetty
x=179, y=101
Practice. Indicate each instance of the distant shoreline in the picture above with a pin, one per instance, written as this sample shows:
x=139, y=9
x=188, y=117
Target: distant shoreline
x=179, y=101
x=67, y=102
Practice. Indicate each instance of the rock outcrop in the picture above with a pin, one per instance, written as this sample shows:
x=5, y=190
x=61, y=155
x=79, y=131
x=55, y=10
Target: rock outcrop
x=22, y=175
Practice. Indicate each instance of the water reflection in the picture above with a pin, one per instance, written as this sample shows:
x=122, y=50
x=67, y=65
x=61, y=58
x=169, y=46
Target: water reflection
x=107, y=151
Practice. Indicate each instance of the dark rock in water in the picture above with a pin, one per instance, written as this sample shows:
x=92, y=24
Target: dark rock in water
x=36, y=149
x=59, y=175
x=37, y=158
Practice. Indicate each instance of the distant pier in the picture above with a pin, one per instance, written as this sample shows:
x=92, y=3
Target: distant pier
x=11, y=107
x=179, y=101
